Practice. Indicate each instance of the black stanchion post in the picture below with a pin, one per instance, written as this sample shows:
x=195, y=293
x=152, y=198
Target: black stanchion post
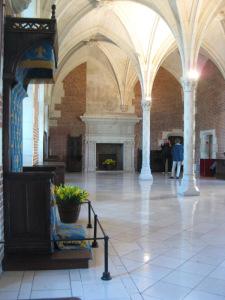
x=89, y=225
x=95, y=243
x=106, y=274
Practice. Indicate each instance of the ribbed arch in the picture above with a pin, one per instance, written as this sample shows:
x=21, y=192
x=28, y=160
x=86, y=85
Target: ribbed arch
x=188, y=21
x=107, y=37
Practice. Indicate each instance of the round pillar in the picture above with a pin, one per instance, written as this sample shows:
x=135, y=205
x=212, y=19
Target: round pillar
x=145, y=169
x=188, y=184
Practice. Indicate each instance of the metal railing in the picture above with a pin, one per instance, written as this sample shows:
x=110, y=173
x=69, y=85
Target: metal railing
x=106, y=274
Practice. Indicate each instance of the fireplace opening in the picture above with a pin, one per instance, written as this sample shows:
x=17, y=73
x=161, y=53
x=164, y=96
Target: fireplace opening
x=109, y=151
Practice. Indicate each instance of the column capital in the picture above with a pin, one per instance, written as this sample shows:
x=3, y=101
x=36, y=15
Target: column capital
x=189, y=84
x=146, y=103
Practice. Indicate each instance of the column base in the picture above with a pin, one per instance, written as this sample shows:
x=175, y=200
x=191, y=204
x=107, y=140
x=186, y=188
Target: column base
x=188, y=186
x=146, y=174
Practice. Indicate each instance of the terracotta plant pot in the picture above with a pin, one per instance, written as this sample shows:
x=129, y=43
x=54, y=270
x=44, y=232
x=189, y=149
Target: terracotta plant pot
x=69, y=213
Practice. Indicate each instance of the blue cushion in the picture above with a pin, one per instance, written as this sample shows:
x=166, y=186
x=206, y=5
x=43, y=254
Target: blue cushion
x=70, y=232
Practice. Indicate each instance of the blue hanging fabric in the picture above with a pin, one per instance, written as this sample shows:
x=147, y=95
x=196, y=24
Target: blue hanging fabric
x=40, y=57
x=16, y=129
x=39, y=61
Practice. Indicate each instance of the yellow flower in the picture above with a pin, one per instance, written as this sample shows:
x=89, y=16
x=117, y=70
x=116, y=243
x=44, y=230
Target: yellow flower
x=69, y=194
x=109, y=161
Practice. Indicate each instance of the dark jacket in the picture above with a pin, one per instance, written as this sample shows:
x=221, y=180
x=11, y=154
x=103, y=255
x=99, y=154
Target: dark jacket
x=178, y=152
x=166, y=151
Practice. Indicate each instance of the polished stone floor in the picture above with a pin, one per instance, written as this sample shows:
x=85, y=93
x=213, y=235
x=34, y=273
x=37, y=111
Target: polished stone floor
x=161, y=246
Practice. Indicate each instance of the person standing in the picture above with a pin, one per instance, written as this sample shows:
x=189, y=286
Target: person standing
x=166, y=155
x=178, y=157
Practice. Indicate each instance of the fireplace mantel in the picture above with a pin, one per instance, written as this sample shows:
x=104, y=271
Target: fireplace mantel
x=109, y=129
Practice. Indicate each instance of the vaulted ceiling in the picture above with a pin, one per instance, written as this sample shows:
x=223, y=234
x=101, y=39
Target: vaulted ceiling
x=134, y=38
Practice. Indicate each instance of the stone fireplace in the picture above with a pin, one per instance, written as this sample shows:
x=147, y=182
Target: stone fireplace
x=109, y=136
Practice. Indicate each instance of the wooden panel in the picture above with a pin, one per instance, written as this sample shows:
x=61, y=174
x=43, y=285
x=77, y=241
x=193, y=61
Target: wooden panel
x=205, y=165
x=74, y=154
x=156, y=161
x=27, y=212
x=64, y=259
x=57, y=169
x=220, y=168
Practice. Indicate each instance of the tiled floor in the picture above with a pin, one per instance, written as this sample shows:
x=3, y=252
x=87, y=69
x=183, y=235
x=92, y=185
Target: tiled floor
x=161, y=246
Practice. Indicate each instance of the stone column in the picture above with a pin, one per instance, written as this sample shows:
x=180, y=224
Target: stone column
x=128, y=154
x=188, y=184
x=145, y=169
x=90, y=156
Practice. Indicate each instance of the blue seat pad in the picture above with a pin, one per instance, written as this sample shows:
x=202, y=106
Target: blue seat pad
x=69, y=232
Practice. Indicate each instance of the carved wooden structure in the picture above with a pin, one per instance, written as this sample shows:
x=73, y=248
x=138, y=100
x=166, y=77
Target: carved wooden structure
x=58, y=169
x=74, y=154
x=27, y=193
x=21, y=34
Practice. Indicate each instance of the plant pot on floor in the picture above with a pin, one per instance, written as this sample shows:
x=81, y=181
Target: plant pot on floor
x=69, y=213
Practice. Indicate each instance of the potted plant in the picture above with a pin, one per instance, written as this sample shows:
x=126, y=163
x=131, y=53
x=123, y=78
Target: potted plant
x=109, y=163
x=69, y=199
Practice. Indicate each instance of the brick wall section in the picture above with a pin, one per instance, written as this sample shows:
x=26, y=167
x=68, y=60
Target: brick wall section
x=167, y=106
x=166, y=110
x=73, y=105
x=210, y=106
x=36, y=127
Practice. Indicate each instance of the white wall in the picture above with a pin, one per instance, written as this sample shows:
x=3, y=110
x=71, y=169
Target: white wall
x=28, y=117
x=41, y=124
x=31, y=11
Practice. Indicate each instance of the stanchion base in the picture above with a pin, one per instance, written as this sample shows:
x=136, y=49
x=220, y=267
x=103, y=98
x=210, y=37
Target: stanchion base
x=89, y=226
x=106, y=276
x=94, y=245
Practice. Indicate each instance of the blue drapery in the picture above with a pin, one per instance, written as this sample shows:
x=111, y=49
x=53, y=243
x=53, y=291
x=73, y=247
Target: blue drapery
x=17, y=95
x=37, y=62
x=40, y=57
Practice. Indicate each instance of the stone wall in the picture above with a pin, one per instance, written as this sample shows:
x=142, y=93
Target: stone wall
x=166, y=111
x=73, y=105
x=138, y=127
x=167, y=106
x=102, y=92
x=210, y=107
